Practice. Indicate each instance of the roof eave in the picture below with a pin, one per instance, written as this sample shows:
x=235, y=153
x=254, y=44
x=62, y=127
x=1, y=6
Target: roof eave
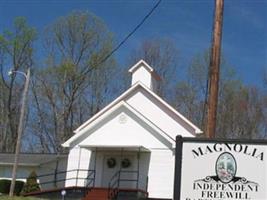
x=133, y=68
x=21, y=164
x=197, y=131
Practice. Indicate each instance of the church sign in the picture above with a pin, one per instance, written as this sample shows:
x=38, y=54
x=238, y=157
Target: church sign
x=220, y=169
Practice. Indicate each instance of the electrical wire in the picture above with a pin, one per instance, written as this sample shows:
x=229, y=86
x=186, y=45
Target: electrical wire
x=204, y=111
x=132, y=32
x=125, y=39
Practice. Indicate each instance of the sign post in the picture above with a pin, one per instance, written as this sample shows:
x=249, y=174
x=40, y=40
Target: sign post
x=178, y=167
x=220, y=169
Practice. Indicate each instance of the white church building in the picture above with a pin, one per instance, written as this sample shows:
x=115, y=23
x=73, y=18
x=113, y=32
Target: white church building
x=130, y=144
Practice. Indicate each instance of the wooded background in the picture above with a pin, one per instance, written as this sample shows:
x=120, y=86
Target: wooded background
x=70, y=82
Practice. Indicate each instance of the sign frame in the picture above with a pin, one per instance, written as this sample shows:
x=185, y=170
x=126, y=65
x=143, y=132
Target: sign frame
x=179, y=153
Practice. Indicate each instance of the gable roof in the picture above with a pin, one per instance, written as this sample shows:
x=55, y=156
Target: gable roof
x=166, y=139
x=81, y=130
x=147, y=67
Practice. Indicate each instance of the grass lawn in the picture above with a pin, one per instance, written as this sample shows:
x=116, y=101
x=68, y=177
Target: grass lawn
x=17, y=198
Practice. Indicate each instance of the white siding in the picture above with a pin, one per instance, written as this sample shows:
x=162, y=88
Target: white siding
x=159, y=114
x=99, y=164
x=78, y=159
x=144, y=168
x=22, y=172
x=161, y=174
x=50, y=168
x=84, y=165
x=124, y=128
x=132, y=132
x=157, y=165
x=143, y=76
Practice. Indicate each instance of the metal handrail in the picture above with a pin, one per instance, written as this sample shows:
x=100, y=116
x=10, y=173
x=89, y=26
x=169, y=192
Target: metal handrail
x=62, y=180
x=89, y=179
x=62, y=172
x=116, y=179
x=113, y=185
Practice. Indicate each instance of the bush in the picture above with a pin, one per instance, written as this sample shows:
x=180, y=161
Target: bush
x=31, y=184
x=18, y=187
x=5, y=186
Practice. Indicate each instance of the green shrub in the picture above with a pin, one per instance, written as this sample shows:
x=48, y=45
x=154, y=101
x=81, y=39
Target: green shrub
x=5, y=186
x=18, y=187
x=31, y=184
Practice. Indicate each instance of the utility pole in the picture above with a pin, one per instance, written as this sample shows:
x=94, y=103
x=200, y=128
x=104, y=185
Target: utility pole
x=20, y=128
x=214, y=70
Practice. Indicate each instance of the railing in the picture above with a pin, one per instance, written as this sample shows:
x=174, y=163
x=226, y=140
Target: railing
x=61, y=176
x=121, y=176
x=90, y=181
x=113, y=185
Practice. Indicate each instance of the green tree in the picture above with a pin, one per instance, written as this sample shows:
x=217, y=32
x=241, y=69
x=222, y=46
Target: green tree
x=16, y=52
x=73, y=83
x=240, y=107
x=31, y=184
x=240, y=111
x=190, y=93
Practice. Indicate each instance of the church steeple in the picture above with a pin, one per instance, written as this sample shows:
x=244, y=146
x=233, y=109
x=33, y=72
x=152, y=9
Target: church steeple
x=142, y=72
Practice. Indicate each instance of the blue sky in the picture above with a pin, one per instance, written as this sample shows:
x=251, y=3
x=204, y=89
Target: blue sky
x=187, y=22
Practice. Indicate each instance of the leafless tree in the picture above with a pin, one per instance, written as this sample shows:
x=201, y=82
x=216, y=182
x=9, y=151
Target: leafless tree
x=163, y=56
x=73, y=84
x=16, y=52
x=240, y=109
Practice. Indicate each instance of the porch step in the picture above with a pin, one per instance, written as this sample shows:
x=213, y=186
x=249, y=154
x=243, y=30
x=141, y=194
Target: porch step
x=97, y=194
x=131, y=195
x=123, y=194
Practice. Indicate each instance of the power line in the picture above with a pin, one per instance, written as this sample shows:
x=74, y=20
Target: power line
x=207, y=88
x=126, y=38
x=132, y=32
